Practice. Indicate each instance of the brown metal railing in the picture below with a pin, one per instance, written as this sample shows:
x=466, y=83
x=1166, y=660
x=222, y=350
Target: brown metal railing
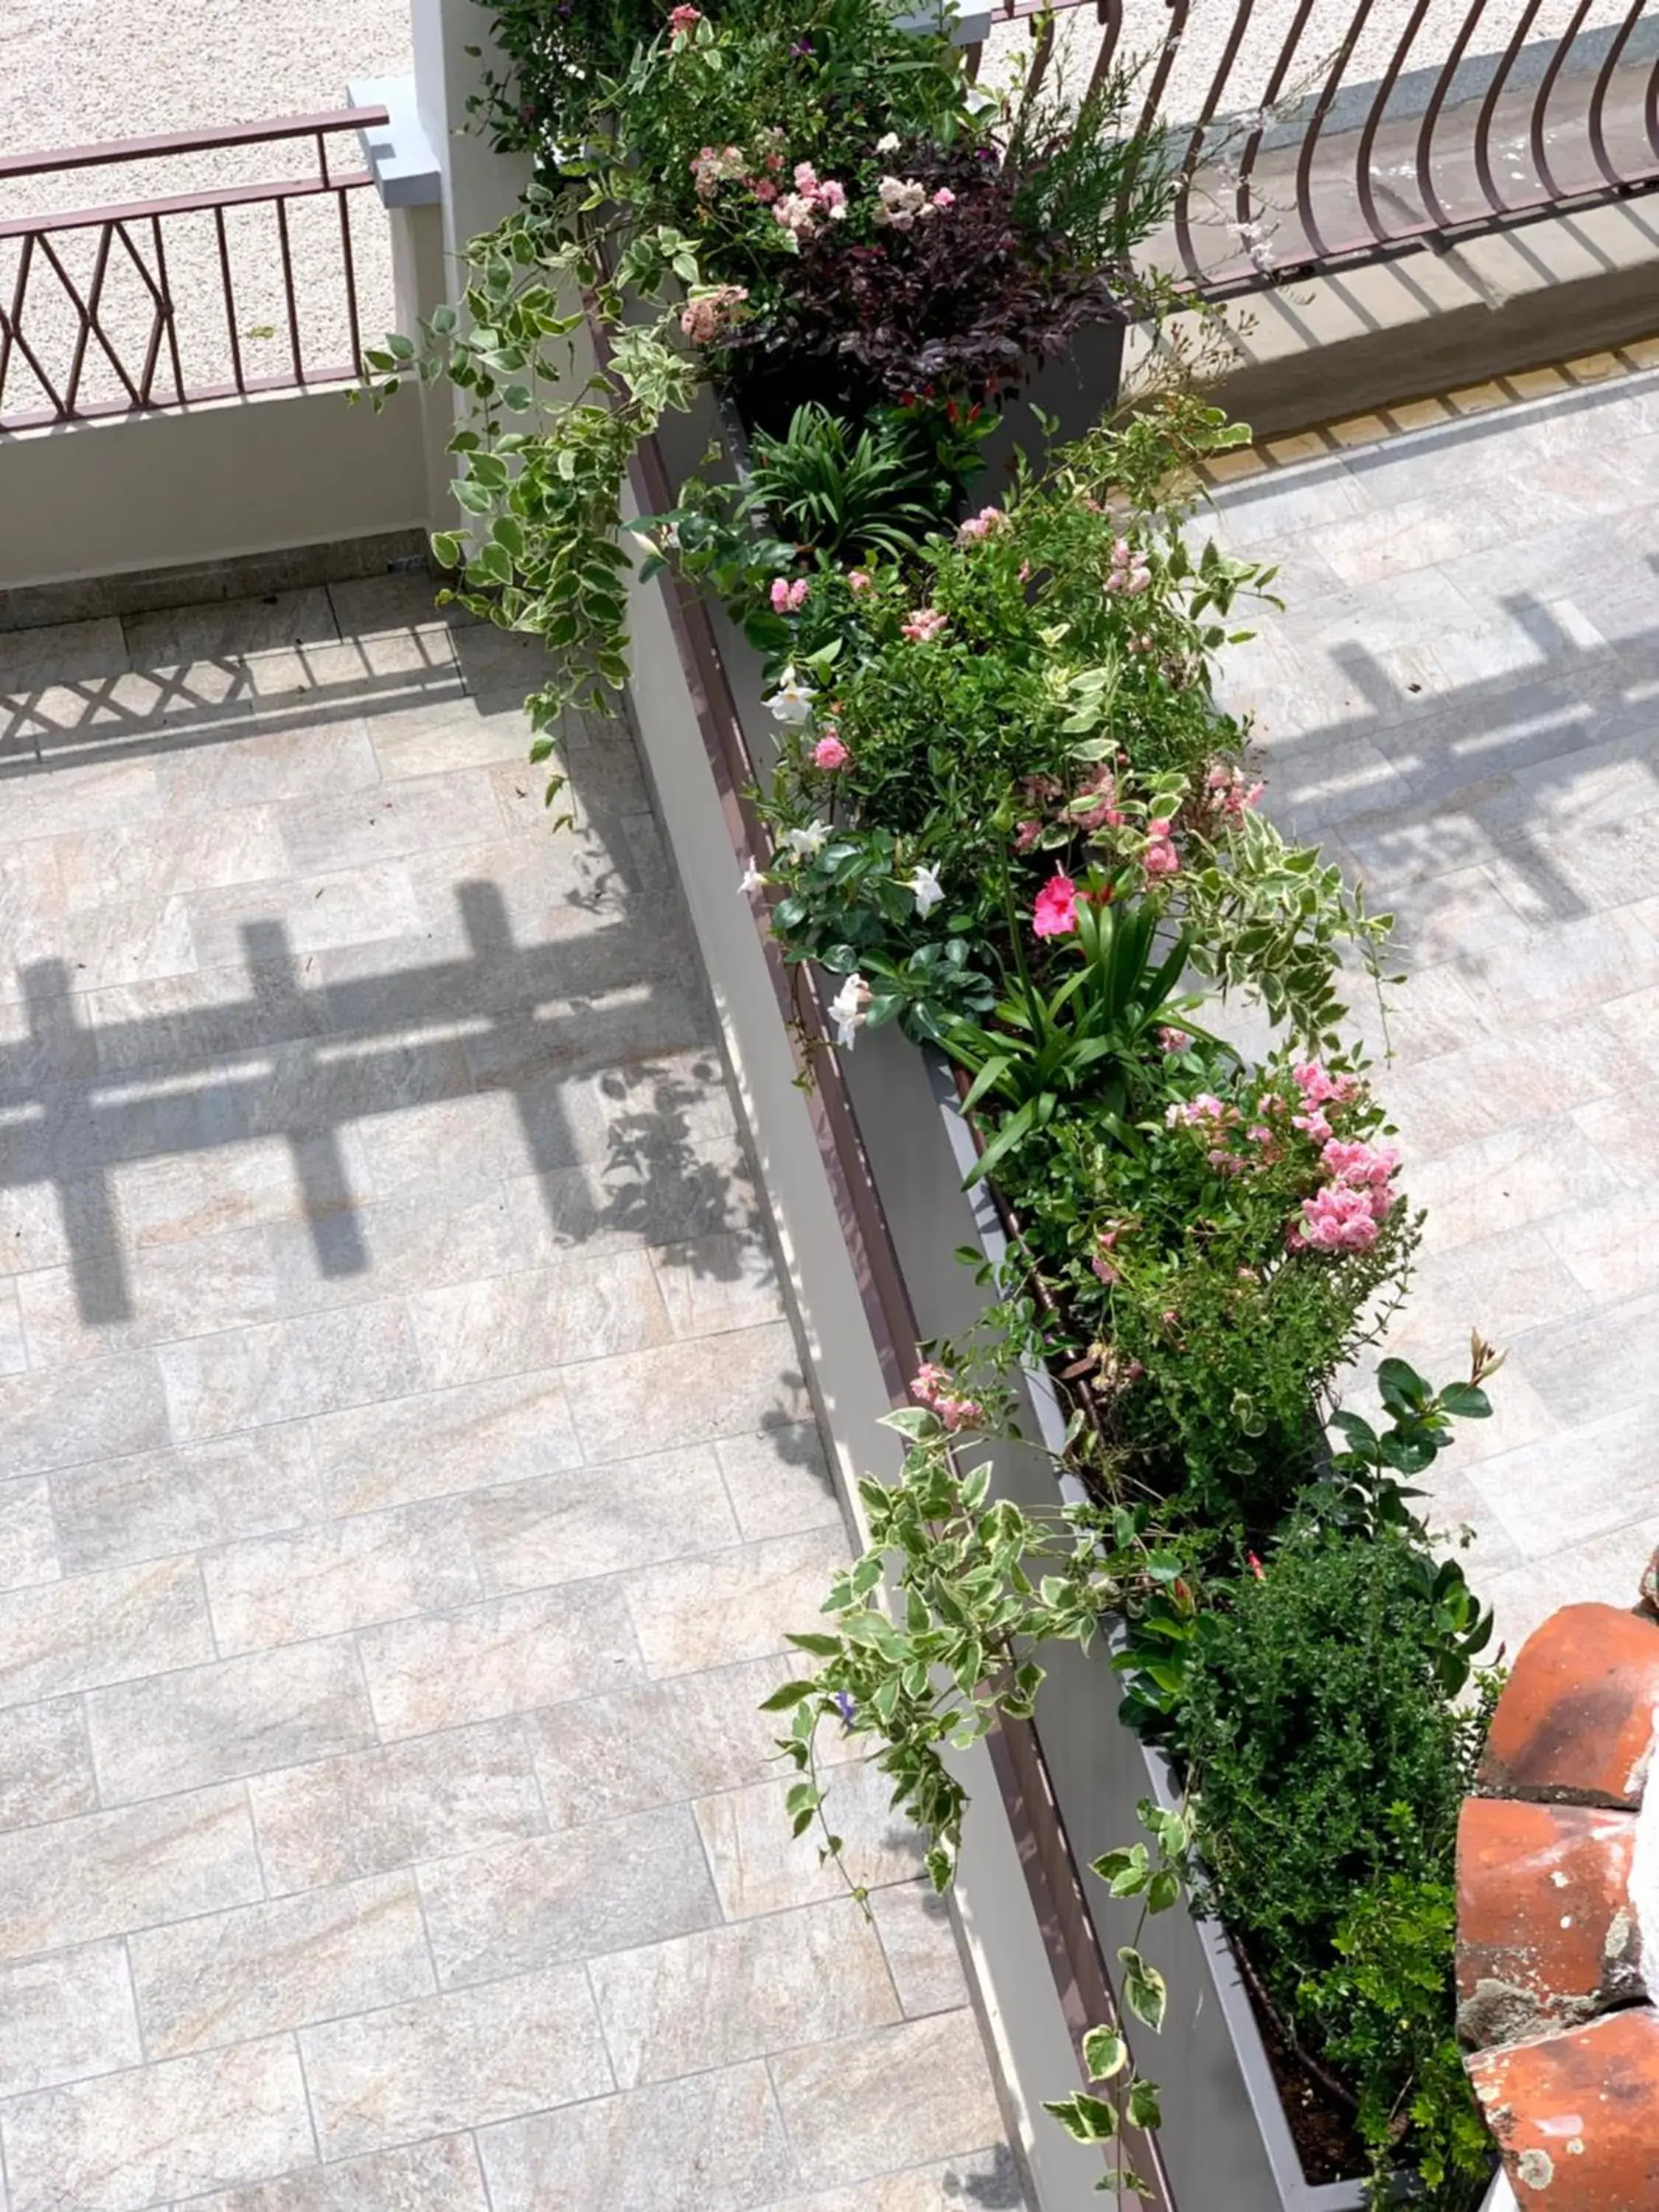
x=147, y=303
x=1311, y=134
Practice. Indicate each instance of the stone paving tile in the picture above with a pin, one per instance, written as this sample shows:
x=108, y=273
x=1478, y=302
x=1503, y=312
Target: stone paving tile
x=439, y=2176
x=1525, y=726
x=407, y=1479
x=64, y=2017
x=729, y=1993
x=715, y=2143
x=369, y=1812
x=756, y=1866
x=236, y=1717
x=863, y=2105
x=158, y=2132
x=460, y=2060
x=231, y=1977
x=71, y=1880
x=607, y=1886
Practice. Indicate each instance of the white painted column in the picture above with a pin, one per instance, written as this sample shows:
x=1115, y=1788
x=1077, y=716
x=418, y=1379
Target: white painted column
x=481, y=187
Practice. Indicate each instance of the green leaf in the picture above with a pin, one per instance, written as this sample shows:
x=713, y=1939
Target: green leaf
x=1143, y=1989
x=786, y=1695
x=1086, y=2120
x=1142, y=2105
x=1104, y=2053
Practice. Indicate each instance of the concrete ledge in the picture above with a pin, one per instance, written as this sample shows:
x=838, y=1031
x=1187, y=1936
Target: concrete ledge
x=1435, y=319
x=142, y=591
x=206, y=484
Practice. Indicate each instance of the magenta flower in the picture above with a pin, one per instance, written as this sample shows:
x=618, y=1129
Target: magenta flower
x=830, y=753
x=1161, y=859
x=1054, y=914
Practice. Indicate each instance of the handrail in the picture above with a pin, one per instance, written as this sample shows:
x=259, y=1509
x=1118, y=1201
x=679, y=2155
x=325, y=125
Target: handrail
x=79, y=346
x=268, y=132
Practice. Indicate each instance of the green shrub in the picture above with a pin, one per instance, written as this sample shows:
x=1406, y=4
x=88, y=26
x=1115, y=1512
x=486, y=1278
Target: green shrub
x=1326, y=1768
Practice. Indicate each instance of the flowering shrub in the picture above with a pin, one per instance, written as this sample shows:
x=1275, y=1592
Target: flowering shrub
x=804, y=196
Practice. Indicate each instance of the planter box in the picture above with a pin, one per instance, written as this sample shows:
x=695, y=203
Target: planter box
x=1228, y=2142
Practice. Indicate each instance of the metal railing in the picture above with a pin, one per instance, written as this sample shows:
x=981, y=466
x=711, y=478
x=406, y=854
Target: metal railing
x=160, y=302
x=1310, y=134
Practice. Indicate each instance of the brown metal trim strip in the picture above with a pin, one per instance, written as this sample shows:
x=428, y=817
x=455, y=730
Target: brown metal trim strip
x=264, y=133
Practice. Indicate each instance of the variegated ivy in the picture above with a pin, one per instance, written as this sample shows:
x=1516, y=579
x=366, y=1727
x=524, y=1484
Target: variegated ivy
x=933, y=1636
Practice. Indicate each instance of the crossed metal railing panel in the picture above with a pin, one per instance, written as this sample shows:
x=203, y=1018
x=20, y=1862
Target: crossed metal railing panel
x=1307, y=134
x=70, y=351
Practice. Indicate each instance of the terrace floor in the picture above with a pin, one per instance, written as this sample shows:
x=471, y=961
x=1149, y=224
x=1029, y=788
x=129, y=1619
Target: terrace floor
x=408, y=1480
x=1460, y=704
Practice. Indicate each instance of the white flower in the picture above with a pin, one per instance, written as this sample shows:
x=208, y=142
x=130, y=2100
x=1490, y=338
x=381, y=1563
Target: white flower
x=792, y=702
x=806, y=844
x=928, y=891
x=887, y=142
x=753, y=881
x=847, y=1010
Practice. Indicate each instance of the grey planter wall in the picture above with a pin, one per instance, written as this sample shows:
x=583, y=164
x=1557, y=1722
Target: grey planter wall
x=1227, y=2146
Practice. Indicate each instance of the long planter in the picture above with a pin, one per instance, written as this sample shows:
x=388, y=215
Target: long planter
x=887, y=1112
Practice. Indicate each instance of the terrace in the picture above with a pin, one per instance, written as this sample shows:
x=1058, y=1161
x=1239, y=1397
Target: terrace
x=449, y=1283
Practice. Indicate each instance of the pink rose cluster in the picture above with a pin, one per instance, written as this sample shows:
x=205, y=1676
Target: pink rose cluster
x=1319, y=1088
x=932, y=1388
x=715, y=166
x=711, y=314
x=1228, y=790
x=682, y=21
x=1345, y=1214
x=923, y=625
x=902, y=203
x=814, y=199
x=788, y=598
x=1129, y=573
x=981, y=525
x=830, y=753
x=1106, y=1241
x=1160, y=857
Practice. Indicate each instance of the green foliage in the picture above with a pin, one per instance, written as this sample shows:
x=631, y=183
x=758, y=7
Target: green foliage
x=850, y=496
x=979, y=1586
x=1076, y=1050
x=1383, y=2013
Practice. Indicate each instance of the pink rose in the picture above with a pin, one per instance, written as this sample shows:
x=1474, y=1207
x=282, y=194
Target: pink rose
x=682, y=20
x=859, y=580
x=924, y=625
x=1338, y=1219
x=1054, y=914
x=787, y=597
x=830, y=753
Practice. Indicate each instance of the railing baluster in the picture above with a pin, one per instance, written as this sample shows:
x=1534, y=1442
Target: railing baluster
x=349, y=269
x=1109, y=15
x=287, y=288
x=1483, y=169
x=1425, y=184
x=231, y=331
x=1304, y=207
x=169, y=320
x=1194, y=153
x=88, y=317
x=1364, y=182
x=1540, y=160
x=1599, y=97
